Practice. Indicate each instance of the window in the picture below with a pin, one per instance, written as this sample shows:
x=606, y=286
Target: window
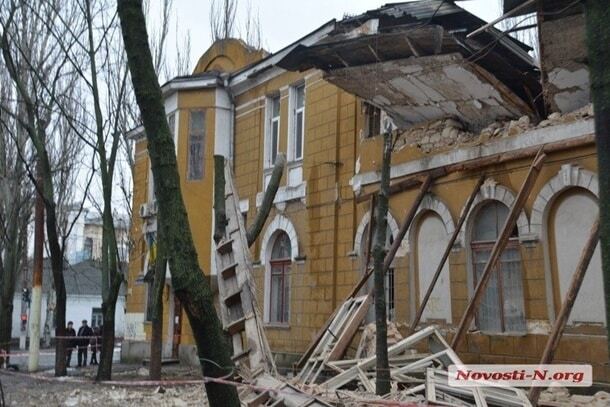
x=280, y=279
x=196, y=145
x=272, y=142
x=297, y=101
x=88, y=248
x=372, y=120
x=501, y=309
x=389, y=277
x=97, y=318
x=171, y=122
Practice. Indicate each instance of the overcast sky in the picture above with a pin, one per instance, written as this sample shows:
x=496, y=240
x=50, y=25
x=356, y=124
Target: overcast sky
x=282, y=21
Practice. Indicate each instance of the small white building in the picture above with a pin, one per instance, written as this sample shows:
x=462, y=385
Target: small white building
x=84, y=298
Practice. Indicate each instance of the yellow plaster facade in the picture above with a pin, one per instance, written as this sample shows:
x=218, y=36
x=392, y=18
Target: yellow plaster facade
x=325, y=218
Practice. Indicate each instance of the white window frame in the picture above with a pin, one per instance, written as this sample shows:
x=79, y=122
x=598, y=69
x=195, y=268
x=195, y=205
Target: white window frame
x=174, y=129
x=292, y=122
x=269, y=121
x=203, y=136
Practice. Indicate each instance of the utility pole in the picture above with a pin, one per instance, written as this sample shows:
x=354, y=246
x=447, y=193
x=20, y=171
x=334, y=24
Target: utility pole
x=598, y=37
x=36, y=281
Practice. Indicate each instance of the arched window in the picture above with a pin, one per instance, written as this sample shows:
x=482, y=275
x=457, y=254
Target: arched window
x=279, y=265
x=389, y=277
x=501, y=309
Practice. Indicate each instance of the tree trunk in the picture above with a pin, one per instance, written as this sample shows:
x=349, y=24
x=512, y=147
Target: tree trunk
x=104, y=371
x=156, y=338
x=187, y=278
x=598, y=38
x=382, y=383
x=270, y=191
x=36, y=131
x=57, y=267
x=6, y=324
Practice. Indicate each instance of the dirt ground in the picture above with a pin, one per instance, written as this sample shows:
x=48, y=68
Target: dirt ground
x=78, y=389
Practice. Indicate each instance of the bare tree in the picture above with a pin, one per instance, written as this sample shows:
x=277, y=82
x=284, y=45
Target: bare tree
x=251, y=32
x=37, y=68
x=16, y=196
x=222, y=19
x=99, y=63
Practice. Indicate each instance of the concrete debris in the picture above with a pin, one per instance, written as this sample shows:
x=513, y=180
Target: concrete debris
x=366, y=347
x=560, y=397
x=434, y=135
x=441, y=135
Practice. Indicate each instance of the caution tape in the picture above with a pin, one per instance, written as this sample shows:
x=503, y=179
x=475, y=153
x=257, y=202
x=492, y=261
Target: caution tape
x=205, y=379
x=19, y=354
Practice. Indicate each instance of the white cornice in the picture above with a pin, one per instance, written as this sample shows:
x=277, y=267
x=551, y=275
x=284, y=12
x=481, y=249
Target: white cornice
x=531, y=138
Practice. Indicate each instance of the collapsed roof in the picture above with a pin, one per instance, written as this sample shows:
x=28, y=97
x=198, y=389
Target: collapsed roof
x=414, y=61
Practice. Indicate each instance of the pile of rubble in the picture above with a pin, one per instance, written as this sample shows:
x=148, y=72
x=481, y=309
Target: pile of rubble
x=439, y=135
x=560, y=397
x=418, y=370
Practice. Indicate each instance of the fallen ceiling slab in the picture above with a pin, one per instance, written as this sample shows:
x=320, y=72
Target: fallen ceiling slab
x=418, y=89
x=414, y=60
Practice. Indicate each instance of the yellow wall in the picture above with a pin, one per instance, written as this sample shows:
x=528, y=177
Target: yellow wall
x=327, y=220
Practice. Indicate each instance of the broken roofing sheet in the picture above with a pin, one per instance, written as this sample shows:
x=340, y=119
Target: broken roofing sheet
x=414, y=61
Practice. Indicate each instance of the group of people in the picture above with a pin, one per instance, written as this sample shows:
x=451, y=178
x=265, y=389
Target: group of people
x=86, y=336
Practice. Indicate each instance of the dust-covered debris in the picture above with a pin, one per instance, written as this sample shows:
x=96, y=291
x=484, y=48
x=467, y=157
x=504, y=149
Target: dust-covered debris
x=440, y=135
x=560, y=397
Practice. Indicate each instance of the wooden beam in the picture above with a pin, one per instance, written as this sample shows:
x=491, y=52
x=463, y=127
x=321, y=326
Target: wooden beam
x=498, y=247
x=502, y=17
x=414, y=49
x=352, y=294
x=450, y=244
x=568, y=302
x=388, y=260
x=350, y=330
x=415, y=179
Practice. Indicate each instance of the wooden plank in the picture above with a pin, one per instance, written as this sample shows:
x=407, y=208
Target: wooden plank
x=350, y=330
x=567, y=305
x=365, y=364
x=498, y=247
x=423, y=190
x=388, y=260
x=502, y=17
x=430, y=386
x=450, y=244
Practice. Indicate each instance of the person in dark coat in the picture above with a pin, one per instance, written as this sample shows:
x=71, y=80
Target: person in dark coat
x=96, y=344
x=70, y=343
x=84, y=334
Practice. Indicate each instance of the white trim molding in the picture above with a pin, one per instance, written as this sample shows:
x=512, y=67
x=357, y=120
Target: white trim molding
x=402, y=250
x=569, y=176
x=492, y=191
x=534, y=137
x=432, y=203
x=279, y=223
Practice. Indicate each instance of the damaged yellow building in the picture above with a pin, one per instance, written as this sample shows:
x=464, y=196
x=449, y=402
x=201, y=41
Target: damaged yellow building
x=462, y=108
